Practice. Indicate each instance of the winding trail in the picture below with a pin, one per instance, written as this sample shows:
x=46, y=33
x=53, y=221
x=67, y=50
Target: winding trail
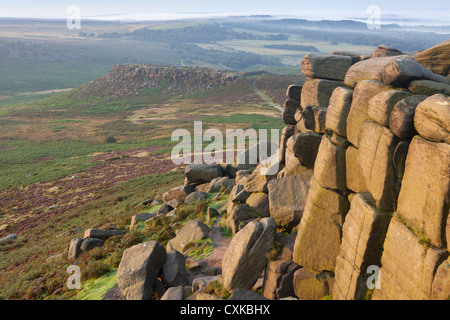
x=265, y=98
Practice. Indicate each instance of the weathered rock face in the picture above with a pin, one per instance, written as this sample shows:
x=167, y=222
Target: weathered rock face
x=408, y=267
x=354, y=176
x=432, y=118
x=259, y=201
x=428, y=87
x=139, y=268
x=245, y=258
x=375, y=158
x=329, y=168
x=424, y=196
x=294, y=92
x=364, y=232
x=385, y=148
x=306, y=146
x=289, y=109
x=317, y=92
x=370, y=69
x=287, y=198
x=365, y=90
x=436, y=58
x=326, y=66
x=381, y=105
x=401, y=121
x=192, y=231
x=338, y=109
x=319, y=233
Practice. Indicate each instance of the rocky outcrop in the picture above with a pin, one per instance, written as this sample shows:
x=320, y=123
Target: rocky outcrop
x=139, y=268
x=384, y=148
x=245, y=258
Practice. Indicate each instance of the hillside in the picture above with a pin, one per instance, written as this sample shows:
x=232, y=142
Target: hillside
x=353, y=206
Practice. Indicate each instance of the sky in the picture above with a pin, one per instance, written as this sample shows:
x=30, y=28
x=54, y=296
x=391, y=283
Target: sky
x=414, y=11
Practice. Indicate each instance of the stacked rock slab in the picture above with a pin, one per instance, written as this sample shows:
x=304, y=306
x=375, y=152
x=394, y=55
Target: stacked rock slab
x=372, y=141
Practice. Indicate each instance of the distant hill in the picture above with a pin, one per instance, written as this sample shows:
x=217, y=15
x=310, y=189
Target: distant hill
x=132, y=79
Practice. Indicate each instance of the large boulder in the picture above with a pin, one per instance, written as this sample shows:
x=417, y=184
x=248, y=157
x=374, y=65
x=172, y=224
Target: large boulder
x=326, y=66
x=287, y=198
x=375, y=158
x=384, y=51
x=317, y=92
x=174, y=293
x=90, y=244
x=102, y=234
x=370, y=69
x=237, y=214
x=432, y=118
x=400, y=72
x=363, y=232
x=353, y=173
x=428, y=87
x=139, y=268
x=144, y=216
x=408, y=266
x=292, y=164
x=319, y=233
x=177, y=193
x=74, y=248
x=195, y=196
x=338, y=109
x=279, y=279
x=245, y=257
x=381, y=105
x=174, y=270
x=259, y=201
x=289, y=109
x=192, y=231
x=364, y=92
x=202, y=173
x=314, y=118
x=329, y=169
x=294, y=92
x=424, y=196
x=436, y=58
x=401, y=121
x=306, y=146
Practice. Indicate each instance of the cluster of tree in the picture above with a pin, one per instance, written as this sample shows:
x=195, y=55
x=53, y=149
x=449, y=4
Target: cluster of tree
x=205, y=33
x=235, y=60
